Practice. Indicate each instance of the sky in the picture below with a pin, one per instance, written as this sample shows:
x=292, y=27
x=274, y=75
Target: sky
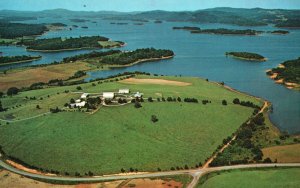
x=143, y=5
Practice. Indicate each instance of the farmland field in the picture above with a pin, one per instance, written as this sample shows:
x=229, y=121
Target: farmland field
x=275, y=178
x=123, y=136
x=283, y=154
x=25, y=77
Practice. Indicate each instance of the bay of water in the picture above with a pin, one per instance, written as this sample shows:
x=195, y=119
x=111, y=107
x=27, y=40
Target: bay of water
x=199, y=55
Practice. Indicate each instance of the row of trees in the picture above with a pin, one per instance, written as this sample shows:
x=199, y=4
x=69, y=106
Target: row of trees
x=243, y=143
x=11, y=59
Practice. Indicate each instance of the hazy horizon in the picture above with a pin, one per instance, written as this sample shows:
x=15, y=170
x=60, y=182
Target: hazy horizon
x=143, y=5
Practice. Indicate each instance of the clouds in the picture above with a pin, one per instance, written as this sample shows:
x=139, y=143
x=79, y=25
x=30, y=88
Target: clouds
x=144, y=5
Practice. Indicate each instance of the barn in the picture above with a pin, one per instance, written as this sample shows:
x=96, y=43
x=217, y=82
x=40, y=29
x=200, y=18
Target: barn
x=108, y=95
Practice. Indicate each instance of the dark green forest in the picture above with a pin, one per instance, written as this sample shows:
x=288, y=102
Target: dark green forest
x=246, y=55
x=13, y=30
x=223, y=31
x=290, y=72
x=68, y=43
x=117, y=57
x=12, y=59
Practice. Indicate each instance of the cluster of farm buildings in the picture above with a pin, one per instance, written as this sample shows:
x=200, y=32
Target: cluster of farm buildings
x=124, y=93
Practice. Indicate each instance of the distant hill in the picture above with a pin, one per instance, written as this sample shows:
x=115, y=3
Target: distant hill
x=225, y=15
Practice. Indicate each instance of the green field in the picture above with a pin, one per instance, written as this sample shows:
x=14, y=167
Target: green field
x=122, y=137
x=275, y=178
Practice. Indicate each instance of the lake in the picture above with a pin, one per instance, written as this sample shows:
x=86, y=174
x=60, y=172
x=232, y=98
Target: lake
x=200, y=55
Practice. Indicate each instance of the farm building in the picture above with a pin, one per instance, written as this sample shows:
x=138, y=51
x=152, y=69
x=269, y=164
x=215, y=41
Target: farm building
x=124, y=91
x=84, y=95
x=80, y=104
x=138, y=95
x=108, y=95
x=77, y=100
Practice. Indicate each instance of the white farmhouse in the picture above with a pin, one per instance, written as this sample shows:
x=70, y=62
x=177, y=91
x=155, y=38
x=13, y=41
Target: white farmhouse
x=124, y=91
x=138, y=95
x=77, y=100
x=80, y=104
x=84, y=95
x=108, y=95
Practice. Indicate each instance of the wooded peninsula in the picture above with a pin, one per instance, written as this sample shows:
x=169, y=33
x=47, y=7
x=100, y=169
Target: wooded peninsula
x=17, y=59
x=62, y=44
x=287, y=73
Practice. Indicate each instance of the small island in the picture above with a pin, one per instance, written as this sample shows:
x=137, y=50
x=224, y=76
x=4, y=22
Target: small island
x=4, y=60
x=78, y=20
x=223, y=31
x=64, y=44
x=219, y=31
x=158, y=21
x=246, y=56
x=287, y=73
x=188, y=28
x=280, y=32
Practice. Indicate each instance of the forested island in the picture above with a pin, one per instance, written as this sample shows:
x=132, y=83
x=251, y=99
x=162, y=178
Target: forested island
x=280, y=32
x=188, y=28
x=61, y=44
x=246, y=56
x=4, y=60
x=78, y=20
x=223, y=31
x=120, y=58
x=287, y=73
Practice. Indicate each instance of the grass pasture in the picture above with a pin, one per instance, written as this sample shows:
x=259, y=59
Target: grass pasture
x=275, y=178
x=25, y=77
x=123, y=137
x=283, y=154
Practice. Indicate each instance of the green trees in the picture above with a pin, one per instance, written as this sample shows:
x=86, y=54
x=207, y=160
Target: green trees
x=11, y=59
x=154, y=118
x=1, y=108
x=78, y=88
x=224, y=102
x=236, y=101
x=289, y=73
x=223, y=31
x=137, y=104
x=150, y=99
x=12, y=91
x=246, y=55
x=133, y=56
x=69, y=43
x=13, y=30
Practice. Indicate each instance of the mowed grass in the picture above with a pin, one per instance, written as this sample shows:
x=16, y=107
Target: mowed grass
x=124, y=137
x=283, y=154
x=26, y=77
x=275, y=178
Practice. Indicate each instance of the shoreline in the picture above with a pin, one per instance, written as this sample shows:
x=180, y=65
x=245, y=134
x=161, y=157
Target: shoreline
x=140, y=61
x=265, y=109
x=22, y=61
x=72, y=49
x=248, y=59
x=288, y=85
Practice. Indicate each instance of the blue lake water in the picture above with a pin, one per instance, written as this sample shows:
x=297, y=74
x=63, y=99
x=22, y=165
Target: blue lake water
x=197, y=55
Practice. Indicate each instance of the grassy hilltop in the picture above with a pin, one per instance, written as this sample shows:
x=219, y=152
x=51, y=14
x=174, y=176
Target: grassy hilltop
x=122, y=137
